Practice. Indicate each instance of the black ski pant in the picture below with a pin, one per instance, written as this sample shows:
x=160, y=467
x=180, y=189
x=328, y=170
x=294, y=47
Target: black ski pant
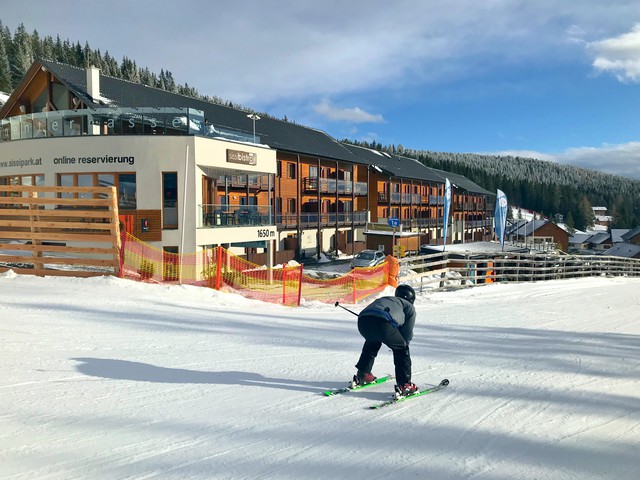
x=377, y=331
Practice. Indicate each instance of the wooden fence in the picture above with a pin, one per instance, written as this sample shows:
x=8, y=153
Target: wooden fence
x=68, y=231
x=444, y=270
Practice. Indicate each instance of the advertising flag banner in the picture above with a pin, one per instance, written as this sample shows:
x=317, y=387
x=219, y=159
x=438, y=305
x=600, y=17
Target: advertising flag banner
x=447, y=206
x=500, y=217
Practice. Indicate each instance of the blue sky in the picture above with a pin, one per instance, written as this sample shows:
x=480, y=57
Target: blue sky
x=554, y=80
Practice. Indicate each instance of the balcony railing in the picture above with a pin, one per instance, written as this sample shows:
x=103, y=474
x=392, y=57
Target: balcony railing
x=259, y=182
x=330, y=185
x=397, y=198
x=311, y=219
x=117, y=121
x=436, y=200
x=468, y=207
x=213, y=216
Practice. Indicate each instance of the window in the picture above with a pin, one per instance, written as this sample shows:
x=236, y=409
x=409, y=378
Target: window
x=125, y=182
x=291, y=205
x=127, y=191
x=37, y=180
x=291, y=170
x=313, y=171
x=105, y=180
x=66, y=180
x=27, y=180
x=170, y=200
x=85, y=180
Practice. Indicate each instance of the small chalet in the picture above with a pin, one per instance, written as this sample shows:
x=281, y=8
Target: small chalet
x=538, y=233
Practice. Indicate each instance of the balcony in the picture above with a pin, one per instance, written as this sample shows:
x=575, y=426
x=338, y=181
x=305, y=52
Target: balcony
x=397, y=198
x=313, y=219
x=331, y=185
x=468, y=207
x=221, y=216
x=436, y=200
x=255, y=182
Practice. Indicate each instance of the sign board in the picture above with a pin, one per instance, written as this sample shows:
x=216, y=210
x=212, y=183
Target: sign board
x=246, y=158
x=394, y=222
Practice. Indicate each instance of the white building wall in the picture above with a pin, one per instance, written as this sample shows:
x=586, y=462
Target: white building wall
x=146, y=156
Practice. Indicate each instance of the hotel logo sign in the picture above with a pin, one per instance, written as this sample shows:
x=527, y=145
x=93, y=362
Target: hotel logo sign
x=246, y=158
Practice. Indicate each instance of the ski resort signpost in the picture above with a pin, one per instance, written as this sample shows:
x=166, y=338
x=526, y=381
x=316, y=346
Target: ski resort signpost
x=393, y=223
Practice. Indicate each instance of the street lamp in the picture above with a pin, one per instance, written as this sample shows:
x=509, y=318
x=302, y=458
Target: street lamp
x=254, y=117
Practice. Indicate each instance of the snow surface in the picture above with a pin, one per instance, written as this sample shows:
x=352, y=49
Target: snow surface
x=105, y=378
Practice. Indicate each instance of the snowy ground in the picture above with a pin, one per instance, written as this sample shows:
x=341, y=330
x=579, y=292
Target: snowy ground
x=109, y=379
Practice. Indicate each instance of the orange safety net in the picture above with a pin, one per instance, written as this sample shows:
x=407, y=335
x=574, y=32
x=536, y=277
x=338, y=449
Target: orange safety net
x=217, y=268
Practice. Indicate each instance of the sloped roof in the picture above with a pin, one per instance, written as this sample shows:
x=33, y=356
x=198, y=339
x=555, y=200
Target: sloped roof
x=627, y=250
x=579, y=238
x=630, y=234
x=527, y=228
x=599, y=238
x=277, y=134
x=406, y=167
x=513, y=225
x=617, y=233
x=394, y=165
x=463, y=183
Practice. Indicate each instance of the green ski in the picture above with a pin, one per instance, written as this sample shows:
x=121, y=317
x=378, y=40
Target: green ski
x=440, y=386
x=349, y=388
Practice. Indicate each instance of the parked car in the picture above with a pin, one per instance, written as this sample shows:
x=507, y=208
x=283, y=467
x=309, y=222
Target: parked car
x=368, y=258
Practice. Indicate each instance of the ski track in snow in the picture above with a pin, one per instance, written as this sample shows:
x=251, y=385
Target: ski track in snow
x=153, y=382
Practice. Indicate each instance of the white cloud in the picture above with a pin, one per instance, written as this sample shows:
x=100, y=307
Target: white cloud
x=264, y=52
x=621, y=159
x=619, y=55
x=353, y=115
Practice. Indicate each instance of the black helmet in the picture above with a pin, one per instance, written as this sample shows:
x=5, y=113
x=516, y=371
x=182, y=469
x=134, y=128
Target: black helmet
x=406, y=292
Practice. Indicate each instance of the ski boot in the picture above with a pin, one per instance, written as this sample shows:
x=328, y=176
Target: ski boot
x=405, y=390
x=362, y=378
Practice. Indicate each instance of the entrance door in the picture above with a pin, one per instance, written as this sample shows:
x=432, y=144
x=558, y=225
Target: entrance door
x=208, y=201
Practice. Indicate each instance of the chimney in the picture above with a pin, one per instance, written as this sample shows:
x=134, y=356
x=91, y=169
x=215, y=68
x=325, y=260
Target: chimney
x=93, y=83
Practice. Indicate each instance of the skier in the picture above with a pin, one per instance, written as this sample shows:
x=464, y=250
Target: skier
x=388, y=320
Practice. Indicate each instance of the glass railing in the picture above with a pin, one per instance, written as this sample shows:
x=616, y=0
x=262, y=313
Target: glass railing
x=323, y=219
x=116, y=121
x=213, y=216
x=329, y=185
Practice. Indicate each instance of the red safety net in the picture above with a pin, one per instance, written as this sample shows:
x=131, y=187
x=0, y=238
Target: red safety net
x=217, y=268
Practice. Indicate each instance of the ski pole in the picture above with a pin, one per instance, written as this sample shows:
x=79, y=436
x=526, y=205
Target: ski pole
x=350, y=311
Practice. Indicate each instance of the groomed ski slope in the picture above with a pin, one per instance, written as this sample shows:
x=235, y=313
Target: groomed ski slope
x=109, y=379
